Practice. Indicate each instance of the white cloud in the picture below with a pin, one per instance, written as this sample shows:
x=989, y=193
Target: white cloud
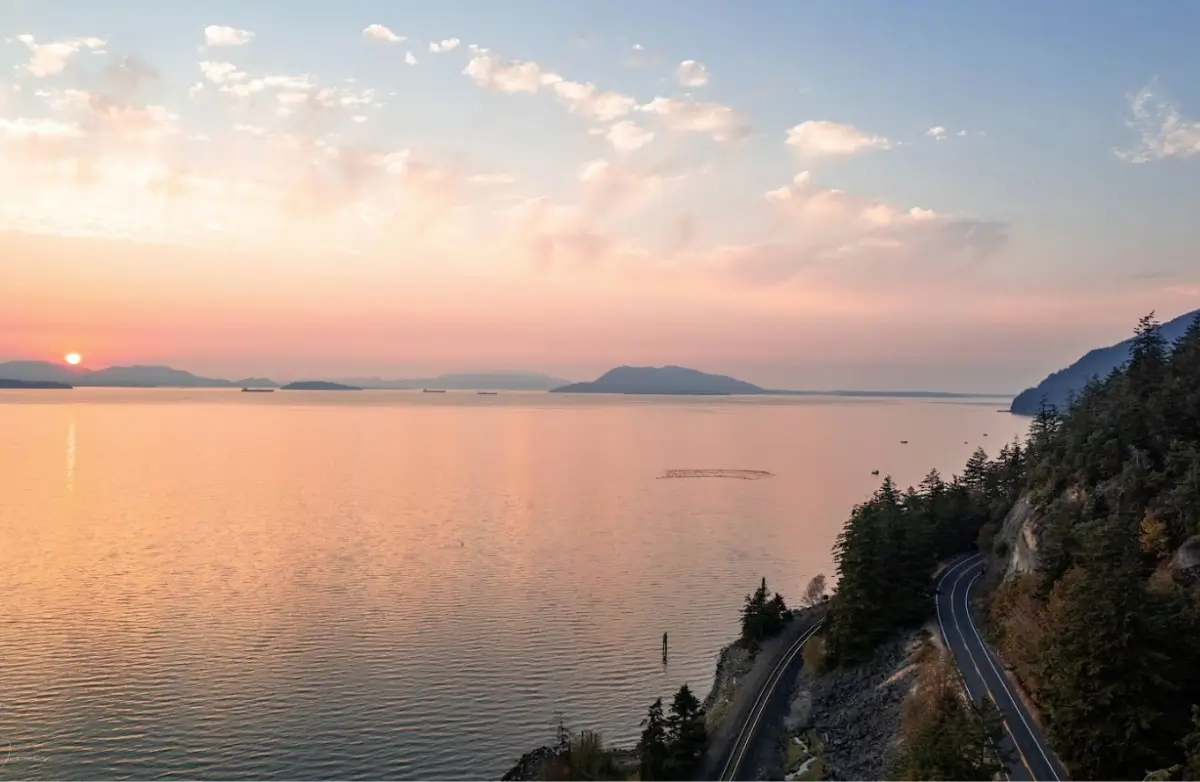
x=1163, y=133
x=359, y=118
x=410, y=58
x=937, y=131
x=692, y=74
x=220, y=72
x=46, y=59
x=961, y=133
x=506, y=75
x=818, y=138
x=492, y=179
x=526, y=76
x=627, y=136
x=377, y=32
x=446, y=45
x=588, y=100
x=219, y=35
x=691, y=116
x=28, y=128
x=836, y=234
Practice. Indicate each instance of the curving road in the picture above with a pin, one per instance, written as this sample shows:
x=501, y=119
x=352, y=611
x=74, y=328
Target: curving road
x=730, y=745
x=983, y=674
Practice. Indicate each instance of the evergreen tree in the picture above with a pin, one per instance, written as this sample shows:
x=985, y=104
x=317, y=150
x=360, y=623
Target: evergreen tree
x=652, y=749
x=687, y=737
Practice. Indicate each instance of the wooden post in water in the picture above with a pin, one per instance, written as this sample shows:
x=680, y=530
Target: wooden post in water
x=664, y=648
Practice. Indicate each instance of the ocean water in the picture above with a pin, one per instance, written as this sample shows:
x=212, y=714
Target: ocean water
x=209, y=584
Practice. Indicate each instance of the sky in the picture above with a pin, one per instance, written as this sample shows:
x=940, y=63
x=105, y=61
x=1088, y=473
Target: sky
x=803, y=193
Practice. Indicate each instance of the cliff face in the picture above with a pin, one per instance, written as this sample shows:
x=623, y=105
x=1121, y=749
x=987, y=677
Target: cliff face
x=1019, y=532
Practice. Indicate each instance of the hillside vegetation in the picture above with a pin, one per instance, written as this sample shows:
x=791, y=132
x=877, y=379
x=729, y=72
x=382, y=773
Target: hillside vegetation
x=1105, y=632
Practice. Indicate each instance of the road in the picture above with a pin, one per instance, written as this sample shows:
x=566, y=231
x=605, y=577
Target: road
x=729, y=746
x=983, y=674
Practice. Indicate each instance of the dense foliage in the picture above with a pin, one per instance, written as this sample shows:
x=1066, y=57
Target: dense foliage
x=1104, y=631
x=889, y=548
x=943, y=735
x=763, y=617
x=672, y=746
x=1105, y=634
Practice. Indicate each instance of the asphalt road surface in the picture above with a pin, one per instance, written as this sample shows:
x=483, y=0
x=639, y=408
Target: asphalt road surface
x=983, y=674
x=770, y=680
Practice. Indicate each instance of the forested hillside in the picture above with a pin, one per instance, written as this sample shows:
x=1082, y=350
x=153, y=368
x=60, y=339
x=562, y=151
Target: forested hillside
x=1105, y=632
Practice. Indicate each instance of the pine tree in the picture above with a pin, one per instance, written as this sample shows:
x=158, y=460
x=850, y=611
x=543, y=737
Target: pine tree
x=687, y=737
x=653, y=753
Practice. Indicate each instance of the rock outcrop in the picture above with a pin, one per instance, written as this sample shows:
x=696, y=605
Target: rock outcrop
x=1185, y=564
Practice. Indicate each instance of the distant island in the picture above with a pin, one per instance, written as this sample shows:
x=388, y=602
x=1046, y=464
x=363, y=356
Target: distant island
x=671, y=380
x=33, y=384
x=682, y=381
x=318, y=385
x=1098, y=363
x=256, y=382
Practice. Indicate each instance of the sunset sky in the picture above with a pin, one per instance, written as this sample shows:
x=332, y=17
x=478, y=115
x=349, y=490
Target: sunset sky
x=810, y=193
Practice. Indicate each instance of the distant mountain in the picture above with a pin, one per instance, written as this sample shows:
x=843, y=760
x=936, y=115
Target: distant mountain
x=660, y=380
x=113, y=377
x=1096, y=363
x=467, y=381
x=42, y=371
x=318, y=385
x=149, y=377
x=256, y=382
x=6, y=383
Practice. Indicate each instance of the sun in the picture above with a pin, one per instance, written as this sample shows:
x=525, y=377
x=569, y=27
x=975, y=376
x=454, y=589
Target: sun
x=74, y=359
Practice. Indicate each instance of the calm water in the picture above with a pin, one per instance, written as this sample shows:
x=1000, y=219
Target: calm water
x=398, y=585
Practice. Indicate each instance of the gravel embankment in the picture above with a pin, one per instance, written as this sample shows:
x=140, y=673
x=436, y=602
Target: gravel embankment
x=854, y=714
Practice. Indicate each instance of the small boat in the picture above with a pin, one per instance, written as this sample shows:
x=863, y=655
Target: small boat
x=486, y=393
x=904, y=442
x=258, y=390
x=433, y=390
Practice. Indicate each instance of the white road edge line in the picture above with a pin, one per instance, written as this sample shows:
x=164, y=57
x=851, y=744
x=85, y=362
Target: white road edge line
x=756, y=710
x=954, y=616
x=1004, y=682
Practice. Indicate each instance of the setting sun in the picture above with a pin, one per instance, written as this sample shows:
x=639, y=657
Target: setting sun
x=73, y=359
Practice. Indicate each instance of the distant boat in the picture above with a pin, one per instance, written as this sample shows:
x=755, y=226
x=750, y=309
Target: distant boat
x=434, y=390
x=904, y=442
x=486, y=393
x=258, y=390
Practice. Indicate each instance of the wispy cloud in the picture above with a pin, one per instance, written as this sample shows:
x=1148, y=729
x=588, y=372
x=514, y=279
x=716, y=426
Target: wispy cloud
x=446, y=45
x=938, y=132
x=46, y=59
x=628, y=136
x=692, y=74
x=688, y=115
x=1163, y=133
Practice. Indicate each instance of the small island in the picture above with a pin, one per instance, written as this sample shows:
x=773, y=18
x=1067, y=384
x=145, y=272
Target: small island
x=34, y=385
x=669, y=380
x=318, y=385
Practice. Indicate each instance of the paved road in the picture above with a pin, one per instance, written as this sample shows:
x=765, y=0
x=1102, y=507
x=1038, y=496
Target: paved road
x=983, y=674
x=729, y=746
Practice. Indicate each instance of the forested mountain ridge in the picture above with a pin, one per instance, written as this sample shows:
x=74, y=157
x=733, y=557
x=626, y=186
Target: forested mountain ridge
x=1057, y=388
x=1101, y=619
